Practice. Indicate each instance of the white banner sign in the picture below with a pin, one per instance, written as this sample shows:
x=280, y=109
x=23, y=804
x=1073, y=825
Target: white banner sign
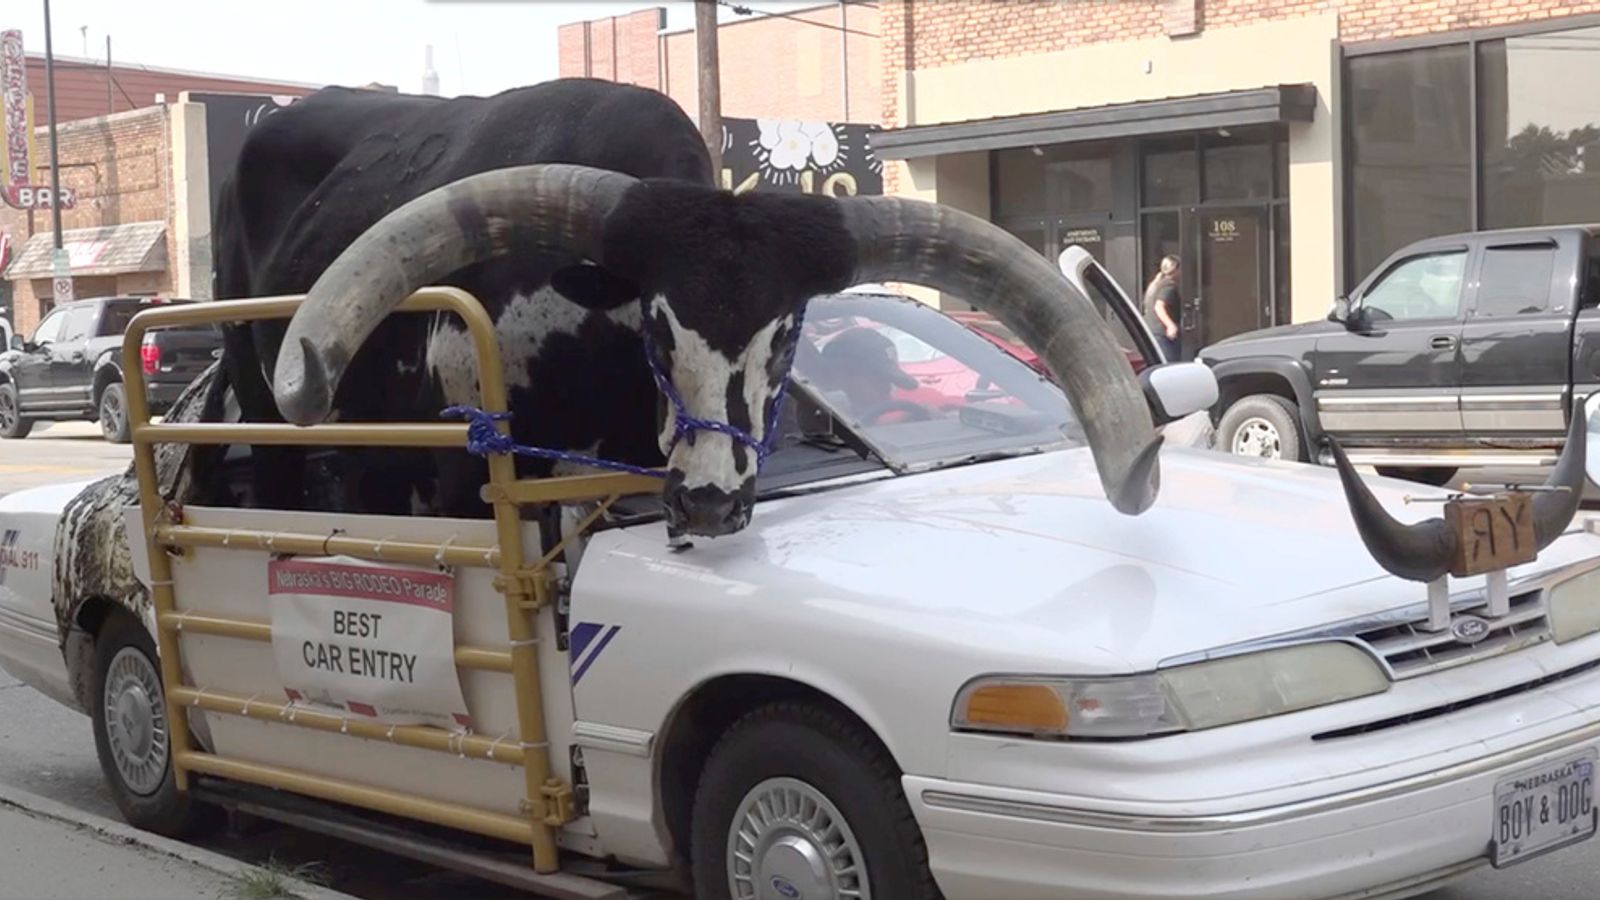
x=370, y=639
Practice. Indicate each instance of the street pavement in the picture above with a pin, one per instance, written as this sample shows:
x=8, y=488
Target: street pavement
x=48, y=750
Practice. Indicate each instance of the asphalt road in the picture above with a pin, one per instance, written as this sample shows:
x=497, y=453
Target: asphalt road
x=49, y=750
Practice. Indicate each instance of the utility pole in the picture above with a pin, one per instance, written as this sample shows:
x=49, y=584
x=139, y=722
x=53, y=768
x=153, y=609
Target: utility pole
x=50, y=88
x=705, y=41
x=61, y=263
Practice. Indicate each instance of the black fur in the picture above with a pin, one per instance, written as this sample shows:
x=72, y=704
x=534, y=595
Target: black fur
x=313, y=177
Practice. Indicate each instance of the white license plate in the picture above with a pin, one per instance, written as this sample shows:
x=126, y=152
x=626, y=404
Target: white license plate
x=1544, y=808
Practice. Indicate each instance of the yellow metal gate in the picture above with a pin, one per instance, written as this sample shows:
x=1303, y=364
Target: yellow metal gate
x=526, y=586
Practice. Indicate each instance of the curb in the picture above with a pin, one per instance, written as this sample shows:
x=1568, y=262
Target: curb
x=120, y=833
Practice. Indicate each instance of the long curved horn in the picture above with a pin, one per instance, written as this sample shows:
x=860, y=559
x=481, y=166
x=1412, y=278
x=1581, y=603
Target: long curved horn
x=949, y=250
x=1424, y=551
x=520, y=209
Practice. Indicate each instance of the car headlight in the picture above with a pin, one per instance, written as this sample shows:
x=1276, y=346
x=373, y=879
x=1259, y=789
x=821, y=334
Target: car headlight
x=1182, y=698
x=1574, y=607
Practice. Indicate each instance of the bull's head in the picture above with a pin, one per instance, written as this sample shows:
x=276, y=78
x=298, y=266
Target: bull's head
x=1424, y=551
x=722, y=282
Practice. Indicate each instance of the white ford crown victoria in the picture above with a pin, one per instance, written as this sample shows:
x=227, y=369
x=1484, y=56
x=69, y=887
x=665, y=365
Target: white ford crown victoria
x=938, y=663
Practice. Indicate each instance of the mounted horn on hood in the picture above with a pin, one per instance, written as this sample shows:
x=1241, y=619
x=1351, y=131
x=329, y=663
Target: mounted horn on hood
x=1427, y=550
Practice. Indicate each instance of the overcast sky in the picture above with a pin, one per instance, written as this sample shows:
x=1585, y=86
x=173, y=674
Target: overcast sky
x=479, y=46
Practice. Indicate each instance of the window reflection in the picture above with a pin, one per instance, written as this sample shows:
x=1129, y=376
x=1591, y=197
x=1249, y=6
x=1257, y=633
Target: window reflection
x=1540, y=128
x=1422, y=287
x=1410, y=124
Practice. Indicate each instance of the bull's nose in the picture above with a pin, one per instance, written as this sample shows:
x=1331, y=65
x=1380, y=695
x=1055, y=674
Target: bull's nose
x=708, y=511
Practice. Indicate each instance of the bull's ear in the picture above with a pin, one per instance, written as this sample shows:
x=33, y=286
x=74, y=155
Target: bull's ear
x=593, y=287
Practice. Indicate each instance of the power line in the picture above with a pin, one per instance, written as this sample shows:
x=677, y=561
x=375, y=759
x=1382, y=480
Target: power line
x=747, y=11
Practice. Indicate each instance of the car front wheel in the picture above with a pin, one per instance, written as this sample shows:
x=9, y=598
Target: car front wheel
x=1263, y=425
x=114, y=413
x=800, y=801
x=13, y=425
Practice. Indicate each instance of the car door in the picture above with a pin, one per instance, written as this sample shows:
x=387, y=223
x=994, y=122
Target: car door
x=1122, y=314
x=35, y=390
x=69, y=368
x=1395, y=371
x=1515, y=340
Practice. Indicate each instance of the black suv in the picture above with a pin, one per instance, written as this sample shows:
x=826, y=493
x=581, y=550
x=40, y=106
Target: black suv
x=1461, y=350
x=71, y=366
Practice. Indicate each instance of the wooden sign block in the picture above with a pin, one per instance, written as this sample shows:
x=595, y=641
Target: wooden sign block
x=1491, y=532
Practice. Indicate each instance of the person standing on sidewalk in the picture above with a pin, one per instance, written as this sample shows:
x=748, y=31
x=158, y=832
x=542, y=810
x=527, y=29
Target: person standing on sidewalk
x=1163, y=307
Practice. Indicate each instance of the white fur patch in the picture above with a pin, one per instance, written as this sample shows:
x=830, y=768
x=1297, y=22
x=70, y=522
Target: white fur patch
x=527, y=322
x=701, y=376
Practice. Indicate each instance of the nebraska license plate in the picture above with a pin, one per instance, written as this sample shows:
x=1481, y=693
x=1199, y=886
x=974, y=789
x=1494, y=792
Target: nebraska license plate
x=1544, y=808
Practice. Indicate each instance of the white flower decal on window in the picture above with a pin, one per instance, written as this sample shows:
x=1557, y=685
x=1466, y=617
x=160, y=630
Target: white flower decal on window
x=789, y=147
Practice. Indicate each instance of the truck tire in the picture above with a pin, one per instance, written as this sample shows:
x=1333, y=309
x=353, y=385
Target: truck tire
x=1437, y=477
x=13, y=425
x=131, y=731
x=1263, y=425
x=113, y=413
x=819, y=801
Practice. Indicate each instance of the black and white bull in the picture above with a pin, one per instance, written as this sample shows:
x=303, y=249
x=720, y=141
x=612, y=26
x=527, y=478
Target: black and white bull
x=583, y=216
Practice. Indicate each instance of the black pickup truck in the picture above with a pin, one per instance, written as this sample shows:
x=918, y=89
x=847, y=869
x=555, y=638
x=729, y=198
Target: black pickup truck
x=1463, y=350
x=71, y=366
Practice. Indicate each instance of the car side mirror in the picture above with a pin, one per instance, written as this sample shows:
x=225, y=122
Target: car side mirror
x=18, y=342
x=1341, y=311
x=1176, y=390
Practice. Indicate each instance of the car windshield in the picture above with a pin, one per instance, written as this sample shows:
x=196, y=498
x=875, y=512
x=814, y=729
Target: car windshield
x=891, y=382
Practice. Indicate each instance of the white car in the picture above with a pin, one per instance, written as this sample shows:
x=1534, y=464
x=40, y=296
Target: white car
x=938, y=663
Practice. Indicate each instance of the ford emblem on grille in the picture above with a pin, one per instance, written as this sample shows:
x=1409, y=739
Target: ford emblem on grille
x=1469, y=629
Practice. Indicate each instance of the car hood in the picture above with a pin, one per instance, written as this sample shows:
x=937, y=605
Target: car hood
x=1025, y=558
x=1265, y=339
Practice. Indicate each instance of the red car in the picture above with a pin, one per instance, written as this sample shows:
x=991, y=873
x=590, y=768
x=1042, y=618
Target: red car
x=995, y=332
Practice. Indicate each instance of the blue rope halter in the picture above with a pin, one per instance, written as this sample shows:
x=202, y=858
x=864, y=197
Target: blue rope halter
x=483, y=438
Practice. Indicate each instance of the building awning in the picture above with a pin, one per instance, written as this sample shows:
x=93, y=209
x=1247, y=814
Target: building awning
x=108, y=250
x=1230, y=109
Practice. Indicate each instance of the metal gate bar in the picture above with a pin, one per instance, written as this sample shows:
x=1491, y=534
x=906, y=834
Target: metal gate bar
x=482, y=659
x=525, y=589
x=417, y=736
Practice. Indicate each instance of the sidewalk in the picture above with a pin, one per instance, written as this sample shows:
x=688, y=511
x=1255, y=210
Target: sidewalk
x=52, y=852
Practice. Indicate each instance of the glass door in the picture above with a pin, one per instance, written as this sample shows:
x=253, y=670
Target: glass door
x=1234, y=279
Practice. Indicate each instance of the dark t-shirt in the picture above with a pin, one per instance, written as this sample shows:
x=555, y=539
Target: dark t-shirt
x=1167, y=296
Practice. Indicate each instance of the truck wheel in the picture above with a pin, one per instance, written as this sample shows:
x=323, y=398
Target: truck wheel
x=131, y=731
x=1437, y=477
x=798, y=801
x=114, y=413
x=1263, y=425
x=13, y=425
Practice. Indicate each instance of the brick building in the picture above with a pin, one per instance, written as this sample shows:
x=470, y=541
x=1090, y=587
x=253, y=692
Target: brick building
x=820, y=63
x=1216, y=129
x=142, y=176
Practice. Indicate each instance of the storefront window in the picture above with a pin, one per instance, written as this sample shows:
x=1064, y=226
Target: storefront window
x=1539, y=128
x=1410, y=117
x=1056, y=178
x=1170, y=175
x=1237, y=166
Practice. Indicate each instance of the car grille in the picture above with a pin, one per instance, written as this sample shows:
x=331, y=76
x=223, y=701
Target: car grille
x=1411, y=650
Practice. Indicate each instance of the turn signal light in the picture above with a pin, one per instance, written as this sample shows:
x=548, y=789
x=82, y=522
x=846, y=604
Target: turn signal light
x=1016, y=707
x=150, y=356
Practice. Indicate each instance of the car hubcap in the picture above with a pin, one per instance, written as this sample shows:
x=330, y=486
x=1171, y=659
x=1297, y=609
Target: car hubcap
x=110, y=412
x=136, y=724
x=1257, y=437
x=8, y=411
x=789, y=842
